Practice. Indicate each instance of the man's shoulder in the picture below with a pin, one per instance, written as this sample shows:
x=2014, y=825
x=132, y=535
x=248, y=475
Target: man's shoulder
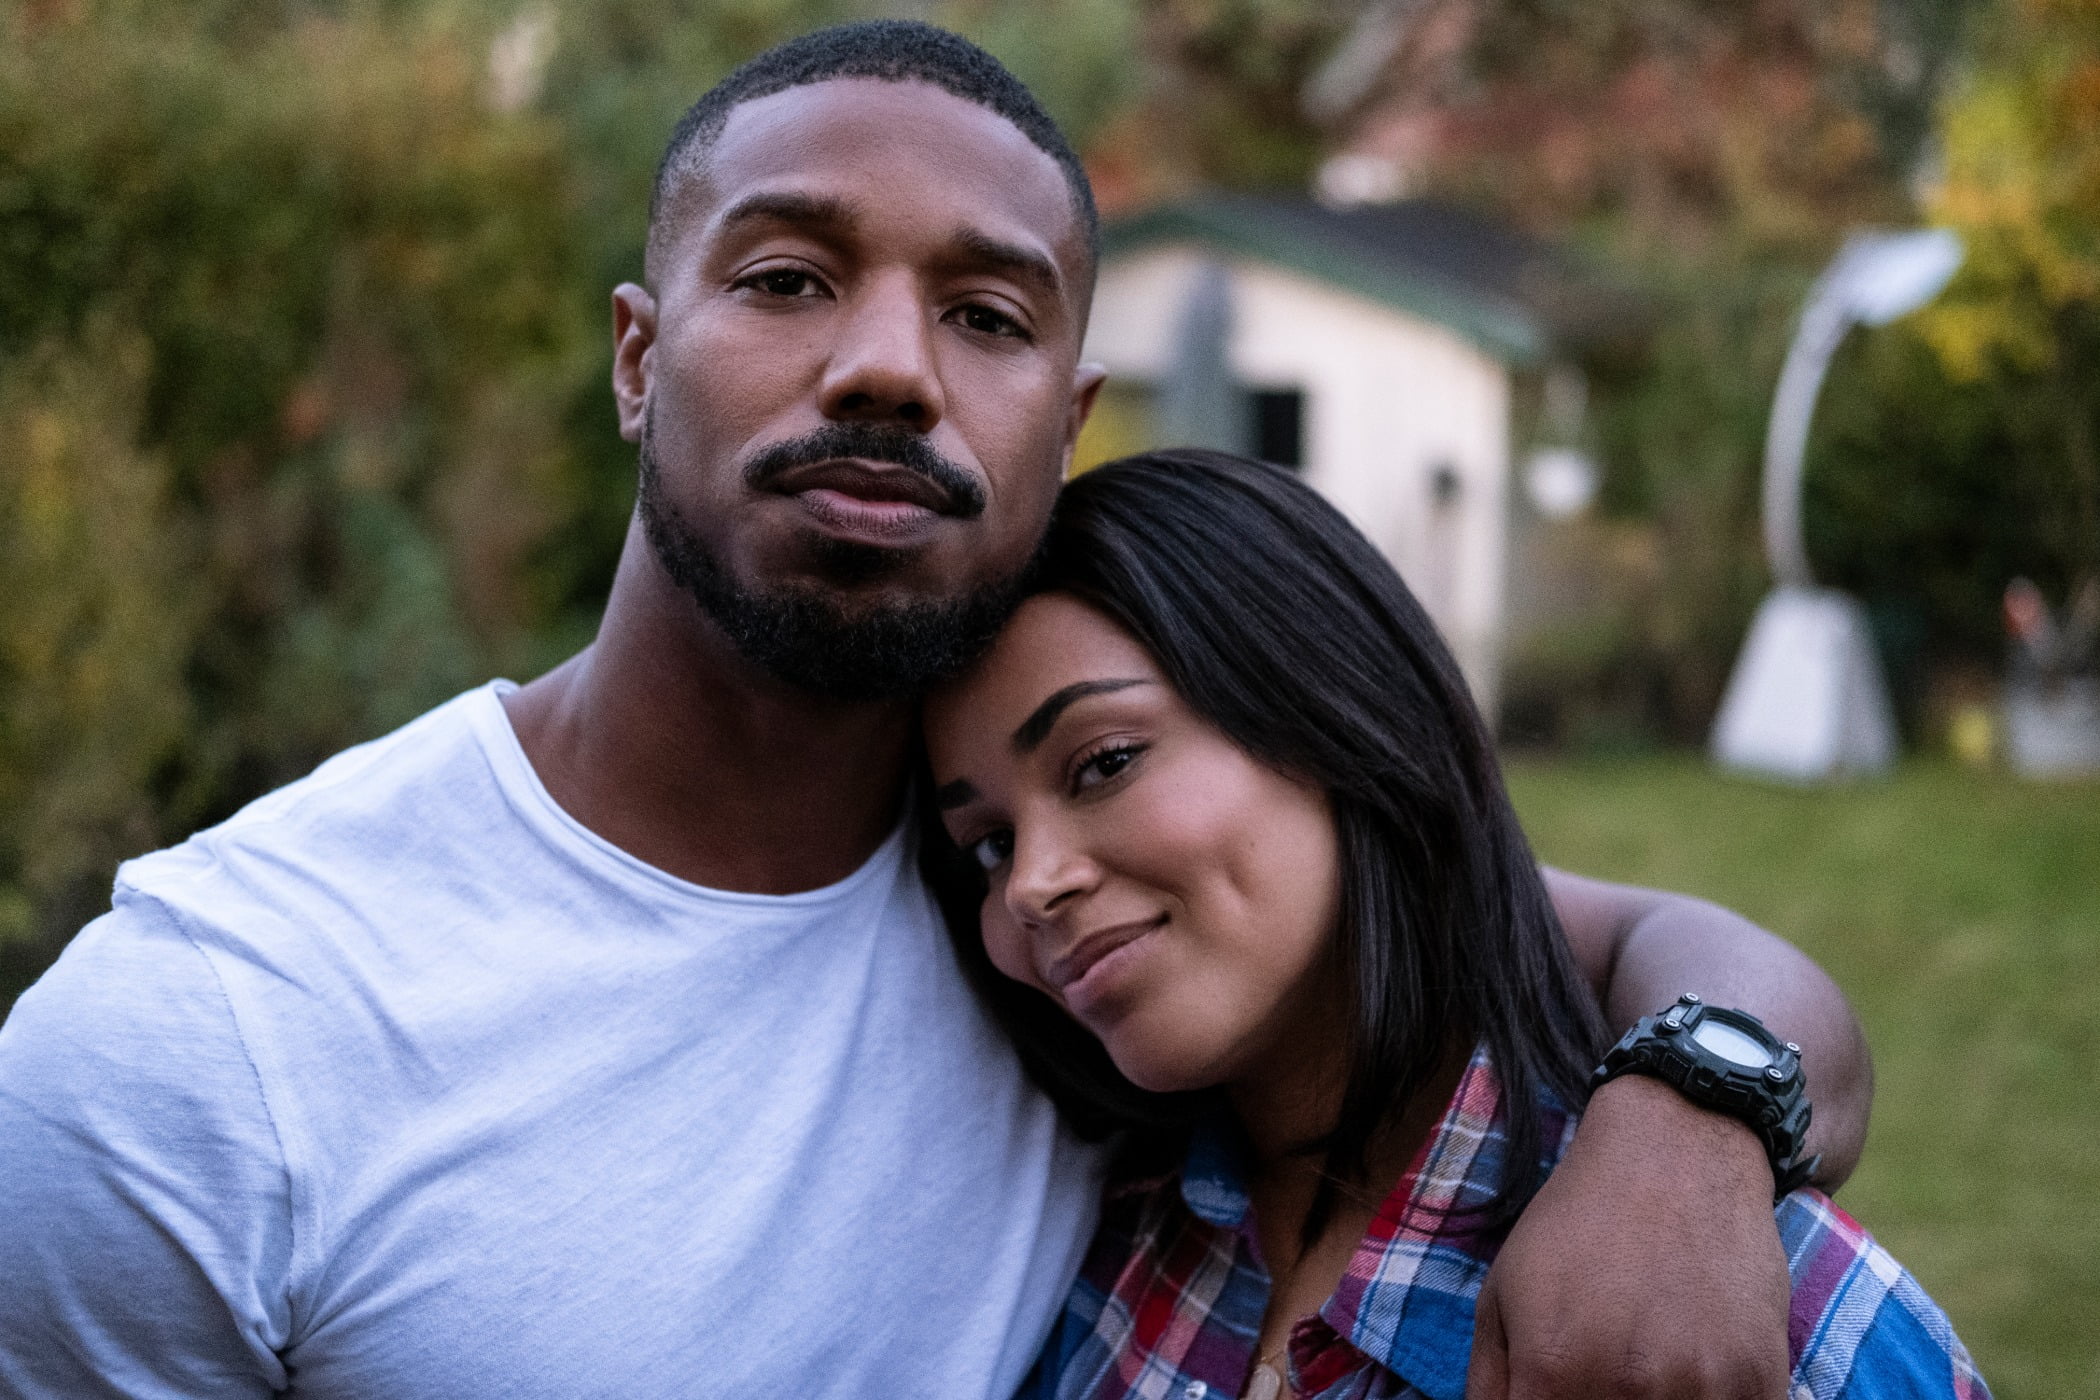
x=406, y=793
x=246, y=896
x=125, y=1082
x=1860, y=1323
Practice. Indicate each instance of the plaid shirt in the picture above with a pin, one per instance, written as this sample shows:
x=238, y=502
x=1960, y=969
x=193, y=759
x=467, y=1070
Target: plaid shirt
x=1169, y=1303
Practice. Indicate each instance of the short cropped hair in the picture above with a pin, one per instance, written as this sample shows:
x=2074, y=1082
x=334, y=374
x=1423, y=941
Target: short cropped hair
x=890, y=50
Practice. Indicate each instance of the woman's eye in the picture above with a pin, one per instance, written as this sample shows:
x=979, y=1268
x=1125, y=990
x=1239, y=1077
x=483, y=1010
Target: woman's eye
x=984, y=319
x=991, y=852
x=1104, y=765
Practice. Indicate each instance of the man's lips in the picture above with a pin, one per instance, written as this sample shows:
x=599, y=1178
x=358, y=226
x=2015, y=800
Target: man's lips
x=870, y=482
x=1070, y=966
x=880, y=504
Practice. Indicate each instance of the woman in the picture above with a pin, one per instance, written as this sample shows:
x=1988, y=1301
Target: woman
x=1236, y=818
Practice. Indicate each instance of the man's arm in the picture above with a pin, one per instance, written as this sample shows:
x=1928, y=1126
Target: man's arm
x=1649, y=1264
x=1641, y=948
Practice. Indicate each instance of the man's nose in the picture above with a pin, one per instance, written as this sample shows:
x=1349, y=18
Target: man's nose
x=882, y=367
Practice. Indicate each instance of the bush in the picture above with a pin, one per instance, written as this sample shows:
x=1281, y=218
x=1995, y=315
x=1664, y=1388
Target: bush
x=290, y=330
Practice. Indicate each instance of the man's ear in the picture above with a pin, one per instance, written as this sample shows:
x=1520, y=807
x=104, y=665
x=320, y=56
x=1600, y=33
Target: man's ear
x=1087, y=379
x=634, y=334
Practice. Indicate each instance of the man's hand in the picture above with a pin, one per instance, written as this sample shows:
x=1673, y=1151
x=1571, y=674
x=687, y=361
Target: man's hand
x=1648, y=1265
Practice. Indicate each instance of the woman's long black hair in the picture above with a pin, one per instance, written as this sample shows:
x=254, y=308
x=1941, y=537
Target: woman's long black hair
x=1281, y=625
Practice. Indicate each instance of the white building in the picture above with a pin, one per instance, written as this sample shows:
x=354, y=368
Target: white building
x=1378, y=350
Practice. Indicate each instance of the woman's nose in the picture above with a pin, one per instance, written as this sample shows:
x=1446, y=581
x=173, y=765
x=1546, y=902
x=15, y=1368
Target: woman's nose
x=1049, y=873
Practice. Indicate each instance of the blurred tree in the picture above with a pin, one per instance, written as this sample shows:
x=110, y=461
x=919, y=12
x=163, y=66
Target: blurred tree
x=1715, y=154
x=290, y=312
x=1962, y=449
x=99, y=569
x=2022, y=186
x=1222, y=101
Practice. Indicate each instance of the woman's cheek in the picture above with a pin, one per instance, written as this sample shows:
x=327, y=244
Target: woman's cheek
x=1004, y=943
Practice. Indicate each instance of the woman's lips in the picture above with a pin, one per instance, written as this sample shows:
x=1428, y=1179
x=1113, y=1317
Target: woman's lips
x=1084, y=973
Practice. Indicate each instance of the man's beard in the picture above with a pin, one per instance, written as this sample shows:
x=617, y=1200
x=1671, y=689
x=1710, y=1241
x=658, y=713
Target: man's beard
x=807, y=635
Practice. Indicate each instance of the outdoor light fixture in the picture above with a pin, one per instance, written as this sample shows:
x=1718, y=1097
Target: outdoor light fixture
x=1560, y=481
x=1807, y=699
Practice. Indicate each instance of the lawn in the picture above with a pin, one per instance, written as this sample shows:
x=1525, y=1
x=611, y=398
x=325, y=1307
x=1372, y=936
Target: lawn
x=1961, y=913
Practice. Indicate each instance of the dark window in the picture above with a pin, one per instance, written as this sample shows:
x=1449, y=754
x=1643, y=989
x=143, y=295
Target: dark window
x=1277, y=420
x=1444, y=485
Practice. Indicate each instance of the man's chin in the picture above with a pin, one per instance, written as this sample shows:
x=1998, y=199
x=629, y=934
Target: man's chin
x=858, y=649
x=844, y=620
x=851, y=625
x=863, y=574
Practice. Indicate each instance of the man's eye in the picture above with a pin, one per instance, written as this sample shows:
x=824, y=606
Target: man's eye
x=985, y=320
x=783, y=282
x=991, y=852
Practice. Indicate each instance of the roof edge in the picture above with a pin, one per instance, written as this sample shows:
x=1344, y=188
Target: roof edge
x=1497, y=327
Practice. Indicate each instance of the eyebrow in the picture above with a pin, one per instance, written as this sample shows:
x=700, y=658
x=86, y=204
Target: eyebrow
x=949, y=796
x=1036, y=727
x=786, y=207
x=1015, y=261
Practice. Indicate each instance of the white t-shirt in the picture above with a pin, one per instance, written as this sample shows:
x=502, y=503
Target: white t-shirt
x=403, y=1084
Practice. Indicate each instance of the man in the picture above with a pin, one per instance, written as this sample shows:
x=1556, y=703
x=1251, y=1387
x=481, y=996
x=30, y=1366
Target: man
x=598, y=1037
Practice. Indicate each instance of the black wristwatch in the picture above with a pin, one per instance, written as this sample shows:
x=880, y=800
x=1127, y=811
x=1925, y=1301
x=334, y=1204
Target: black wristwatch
x=1727, y=1061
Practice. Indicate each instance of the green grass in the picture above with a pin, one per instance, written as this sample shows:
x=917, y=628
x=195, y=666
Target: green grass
x=1961, y=913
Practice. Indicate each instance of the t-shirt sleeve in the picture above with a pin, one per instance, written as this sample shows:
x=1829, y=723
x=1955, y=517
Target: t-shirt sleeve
x=145, y=1213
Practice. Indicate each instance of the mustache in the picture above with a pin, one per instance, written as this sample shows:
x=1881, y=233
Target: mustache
x=871, y=444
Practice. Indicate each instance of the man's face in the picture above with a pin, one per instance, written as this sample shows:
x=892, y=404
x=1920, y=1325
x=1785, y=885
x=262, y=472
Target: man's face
x=857, y=384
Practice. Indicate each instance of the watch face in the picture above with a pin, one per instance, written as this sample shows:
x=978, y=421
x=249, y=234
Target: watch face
x=1731, y=1044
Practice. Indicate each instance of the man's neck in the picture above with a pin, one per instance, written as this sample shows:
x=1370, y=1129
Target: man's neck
x=660, y=738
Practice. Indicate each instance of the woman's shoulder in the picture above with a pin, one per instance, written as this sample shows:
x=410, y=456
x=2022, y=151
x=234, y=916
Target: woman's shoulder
x=1861, y=1323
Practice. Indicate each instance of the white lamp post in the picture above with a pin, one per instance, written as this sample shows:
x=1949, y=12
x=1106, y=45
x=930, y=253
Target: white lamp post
x=1807, y=699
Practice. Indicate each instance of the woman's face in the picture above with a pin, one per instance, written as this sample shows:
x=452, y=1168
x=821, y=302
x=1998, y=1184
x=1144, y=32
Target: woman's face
x=1171, y=893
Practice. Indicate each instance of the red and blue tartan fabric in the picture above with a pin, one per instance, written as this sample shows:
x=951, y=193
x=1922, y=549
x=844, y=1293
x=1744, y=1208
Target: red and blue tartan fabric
x=1169, y=1303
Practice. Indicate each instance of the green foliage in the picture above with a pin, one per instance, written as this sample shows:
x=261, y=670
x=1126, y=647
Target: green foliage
x=288, y=338
x=99, y=569
x=1927, y=493
x=1680, y=427
x=2021, y=325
